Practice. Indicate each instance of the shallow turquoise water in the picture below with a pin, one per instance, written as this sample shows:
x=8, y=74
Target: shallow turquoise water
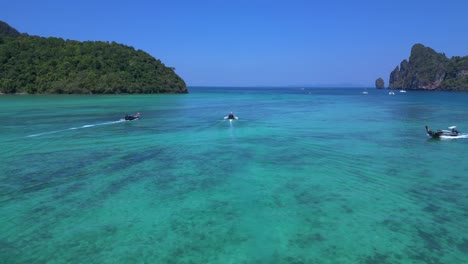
x=304, y=176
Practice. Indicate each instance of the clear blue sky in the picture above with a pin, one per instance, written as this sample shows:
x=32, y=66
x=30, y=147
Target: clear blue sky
x=258, y=43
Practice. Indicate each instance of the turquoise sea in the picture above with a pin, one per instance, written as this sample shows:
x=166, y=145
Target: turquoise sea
x=306, y=175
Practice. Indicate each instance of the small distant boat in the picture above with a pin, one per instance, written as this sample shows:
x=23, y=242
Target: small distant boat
x=452, y=132
x=231, y=117
x=132, y=117
x=364, y=92
x=402, y=91
x=391, y=93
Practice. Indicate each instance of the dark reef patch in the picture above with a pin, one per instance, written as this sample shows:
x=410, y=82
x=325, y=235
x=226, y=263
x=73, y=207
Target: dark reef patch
x=378, y=258
x=431, y=208
x=430, y=240
x=307, y=198
x=306, y=240
x=421, y=257
x=463, y=246
x=393, y=225
x=347, y=209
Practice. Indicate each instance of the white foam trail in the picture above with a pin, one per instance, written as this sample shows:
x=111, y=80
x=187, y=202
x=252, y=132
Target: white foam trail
x=455, y=137
x=75, y=128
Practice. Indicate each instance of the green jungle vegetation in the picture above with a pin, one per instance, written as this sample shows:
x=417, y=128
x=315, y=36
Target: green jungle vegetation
x=429, y=70
x=37, y=65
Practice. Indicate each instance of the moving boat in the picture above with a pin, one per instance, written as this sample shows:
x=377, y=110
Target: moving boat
x=231, y=116
x=132, y=117
x=452, y=132
x=129, y=118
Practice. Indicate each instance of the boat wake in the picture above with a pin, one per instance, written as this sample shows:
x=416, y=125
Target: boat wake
x=454, y=137
x=75, y=128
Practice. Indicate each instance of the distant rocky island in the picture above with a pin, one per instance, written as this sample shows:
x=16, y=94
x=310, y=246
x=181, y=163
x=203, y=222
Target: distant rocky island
x=379, y=83
x=429, y=70
x=39, y=65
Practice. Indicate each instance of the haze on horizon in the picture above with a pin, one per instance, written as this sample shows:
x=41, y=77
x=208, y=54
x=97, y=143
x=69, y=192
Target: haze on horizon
x=258, y=42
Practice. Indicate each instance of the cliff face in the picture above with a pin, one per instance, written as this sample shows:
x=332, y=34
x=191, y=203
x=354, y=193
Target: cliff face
x=429, y=70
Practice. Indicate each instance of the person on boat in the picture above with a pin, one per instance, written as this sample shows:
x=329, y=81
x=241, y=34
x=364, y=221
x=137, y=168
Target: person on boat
x=231, y=116
x=454, y=131
x=430, y=132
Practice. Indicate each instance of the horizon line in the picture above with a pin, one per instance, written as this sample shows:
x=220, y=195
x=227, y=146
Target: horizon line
x=282, y=86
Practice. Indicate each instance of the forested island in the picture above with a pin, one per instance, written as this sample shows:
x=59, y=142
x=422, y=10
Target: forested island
x=429, y=70
x=38, y=65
